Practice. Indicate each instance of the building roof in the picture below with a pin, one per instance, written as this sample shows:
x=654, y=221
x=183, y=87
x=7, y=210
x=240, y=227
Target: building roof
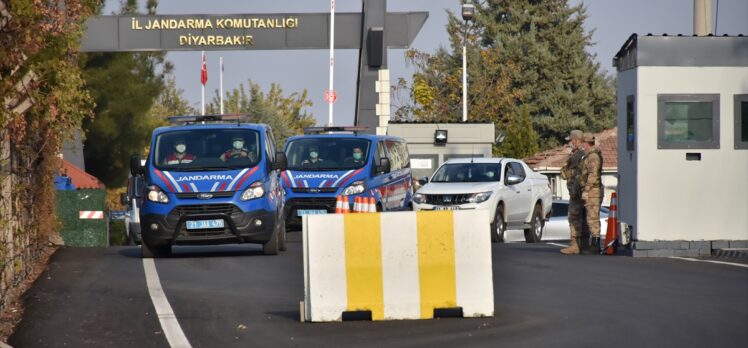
x=554, y=159
x=81, y=179
x=682, y=50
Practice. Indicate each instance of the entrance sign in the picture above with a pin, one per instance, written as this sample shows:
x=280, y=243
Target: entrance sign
x=372, y=32
x=240, y=32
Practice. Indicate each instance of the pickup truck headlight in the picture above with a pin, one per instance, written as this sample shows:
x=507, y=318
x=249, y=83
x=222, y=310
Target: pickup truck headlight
x=253, y=191
x=355, y=188
x=479, y=197
x=419, y=198
x=155, y=194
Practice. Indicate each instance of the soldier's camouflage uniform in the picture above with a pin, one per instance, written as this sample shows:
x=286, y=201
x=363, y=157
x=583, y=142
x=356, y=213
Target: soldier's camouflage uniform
x=592, y=188
x=571, y=172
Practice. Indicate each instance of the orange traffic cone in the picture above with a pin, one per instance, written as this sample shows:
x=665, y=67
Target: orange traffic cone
x=612, y=233
x=346, y=205
x=357, y=204
x=339, y=205
x=372, y=205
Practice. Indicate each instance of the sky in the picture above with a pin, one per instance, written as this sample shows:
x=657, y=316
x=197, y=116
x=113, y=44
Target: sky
x=613, y=21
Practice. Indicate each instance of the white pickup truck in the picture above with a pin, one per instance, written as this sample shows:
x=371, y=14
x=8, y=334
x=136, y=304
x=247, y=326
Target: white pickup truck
x=516, y=196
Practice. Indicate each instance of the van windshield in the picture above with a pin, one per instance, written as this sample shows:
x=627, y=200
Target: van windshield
x=327, y=153
x=207, y=149
x=468, y=172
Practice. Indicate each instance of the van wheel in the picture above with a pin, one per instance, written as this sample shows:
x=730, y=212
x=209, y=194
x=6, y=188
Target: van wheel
x=535, y=233
x=498, y=226
x=282, y=236
x=271, y=247
x=155, y=251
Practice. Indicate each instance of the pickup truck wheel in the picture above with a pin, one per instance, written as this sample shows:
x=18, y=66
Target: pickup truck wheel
x=535, y=233
x=271, y=247
x=498, y=226
x=155, y=251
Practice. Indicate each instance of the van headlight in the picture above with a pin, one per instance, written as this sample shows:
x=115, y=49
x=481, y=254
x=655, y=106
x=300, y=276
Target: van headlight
x=355, y=188
x=419, y=198
x=155, y=194
x=253, y=191
x=479, y=197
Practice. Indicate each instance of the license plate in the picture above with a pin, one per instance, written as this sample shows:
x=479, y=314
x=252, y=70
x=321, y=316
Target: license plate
x=447, y=207
x=302, y=212
x=203, y=224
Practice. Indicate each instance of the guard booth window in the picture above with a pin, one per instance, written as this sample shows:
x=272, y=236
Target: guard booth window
x=741, y=121
x=688, y=121
x=630, y=124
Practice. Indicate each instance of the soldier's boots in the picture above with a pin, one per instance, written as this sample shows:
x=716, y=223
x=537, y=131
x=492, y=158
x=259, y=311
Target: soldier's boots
x=594, y=247
x=573, y=248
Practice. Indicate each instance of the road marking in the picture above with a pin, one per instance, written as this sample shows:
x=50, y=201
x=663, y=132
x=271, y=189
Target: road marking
x=556, y=244
x=710, y=261
x=166, y=317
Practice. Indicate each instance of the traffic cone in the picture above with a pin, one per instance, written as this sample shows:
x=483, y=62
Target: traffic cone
x=346, y=205
x=357, y=204
x=339, y=205
x=372, y=205
x=612, y=233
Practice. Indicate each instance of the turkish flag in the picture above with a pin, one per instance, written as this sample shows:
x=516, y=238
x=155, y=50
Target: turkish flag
x=204, y=72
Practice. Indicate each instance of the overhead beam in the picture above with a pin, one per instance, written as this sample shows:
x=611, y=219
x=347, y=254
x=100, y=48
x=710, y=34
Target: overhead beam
x=279, y=31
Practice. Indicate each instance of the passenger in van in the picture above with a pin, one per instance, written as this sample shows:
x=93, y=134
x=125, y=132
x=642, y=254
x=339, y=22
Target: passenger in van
x=357, y=158
x=238, y=150
x=314, y=158
x=180, y=155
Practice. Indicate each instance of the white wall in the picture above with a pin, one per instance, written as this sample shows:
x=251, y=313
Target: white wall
x=679, y=199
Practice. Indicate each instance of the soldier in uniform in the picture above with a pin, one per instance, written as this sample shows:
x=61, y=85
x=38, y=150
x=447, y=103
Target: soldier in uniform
x=571, y=172
x=592, y=188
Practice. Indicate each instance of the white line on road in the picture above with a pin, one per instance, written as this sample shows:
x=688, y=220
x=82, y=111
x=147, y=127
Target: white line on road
x=556, y=244
x=710, y=261
x=166, y=317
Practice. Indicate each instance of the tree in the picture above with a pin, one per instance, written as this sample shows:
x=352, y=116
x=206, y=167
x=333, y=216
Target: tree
x=520, y=138
x=521, y=53
x=285, y=114
x=562, y=85
x=171, y=102
x=122, y=124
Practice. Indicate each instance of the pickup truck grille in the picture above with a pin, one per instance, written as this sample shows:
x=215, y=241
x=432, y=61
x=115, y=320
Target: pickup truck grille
x=447, y=199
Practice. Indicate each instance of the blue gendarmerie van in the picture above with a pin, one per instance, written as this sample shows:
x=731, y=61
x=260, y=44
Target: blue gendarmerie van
x=328, y=162
x=211, y=180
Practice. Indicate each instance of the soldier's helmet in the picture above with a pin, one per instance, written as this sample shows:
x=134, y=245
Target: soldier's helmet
x=575, y=134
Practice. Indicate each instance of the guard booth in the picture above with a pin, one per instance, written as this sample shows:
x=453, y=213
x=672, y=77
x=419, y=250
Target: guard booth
x=430, y=144
x=683, y=143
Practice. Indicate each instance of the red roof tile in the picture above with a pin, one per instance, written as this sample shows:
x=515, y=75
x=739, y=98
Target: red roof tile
x=81, y=179
x=606, y=140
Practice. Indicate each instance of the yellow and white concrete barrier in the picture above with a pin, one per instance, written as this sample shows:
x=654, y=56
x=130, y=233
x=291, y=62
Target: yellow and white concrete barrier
x=397, y=265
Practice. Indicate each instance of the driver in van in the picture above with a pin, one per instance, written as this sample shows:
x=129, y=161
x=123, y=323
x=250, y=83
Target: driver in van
x=180, y=155
x=238, y=150
x=313, y=157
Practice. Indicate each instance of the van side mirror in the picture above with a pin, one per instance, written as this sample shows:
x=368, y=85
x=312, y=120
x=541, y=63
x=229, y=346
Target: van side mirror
x=384, y=166
x=513, y=179
x=123, y=198
x=281, y=162
x=135, y=167
x=423, y=181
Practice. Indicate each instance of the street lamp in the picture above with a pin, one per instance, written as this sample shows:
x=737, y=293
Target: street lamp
x=468, y=11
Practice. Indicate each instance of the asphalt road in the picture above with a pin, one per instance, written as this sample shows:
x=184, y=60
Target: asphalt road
x=232, y=296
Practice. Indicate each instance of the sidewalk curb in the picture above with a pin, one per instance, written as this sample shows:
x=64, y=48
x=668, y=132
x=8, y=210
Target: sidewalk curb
x=733, y=253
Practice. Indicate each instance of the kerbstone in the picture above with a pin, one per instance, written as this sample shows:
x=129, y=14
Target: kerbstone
x=661, y=253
